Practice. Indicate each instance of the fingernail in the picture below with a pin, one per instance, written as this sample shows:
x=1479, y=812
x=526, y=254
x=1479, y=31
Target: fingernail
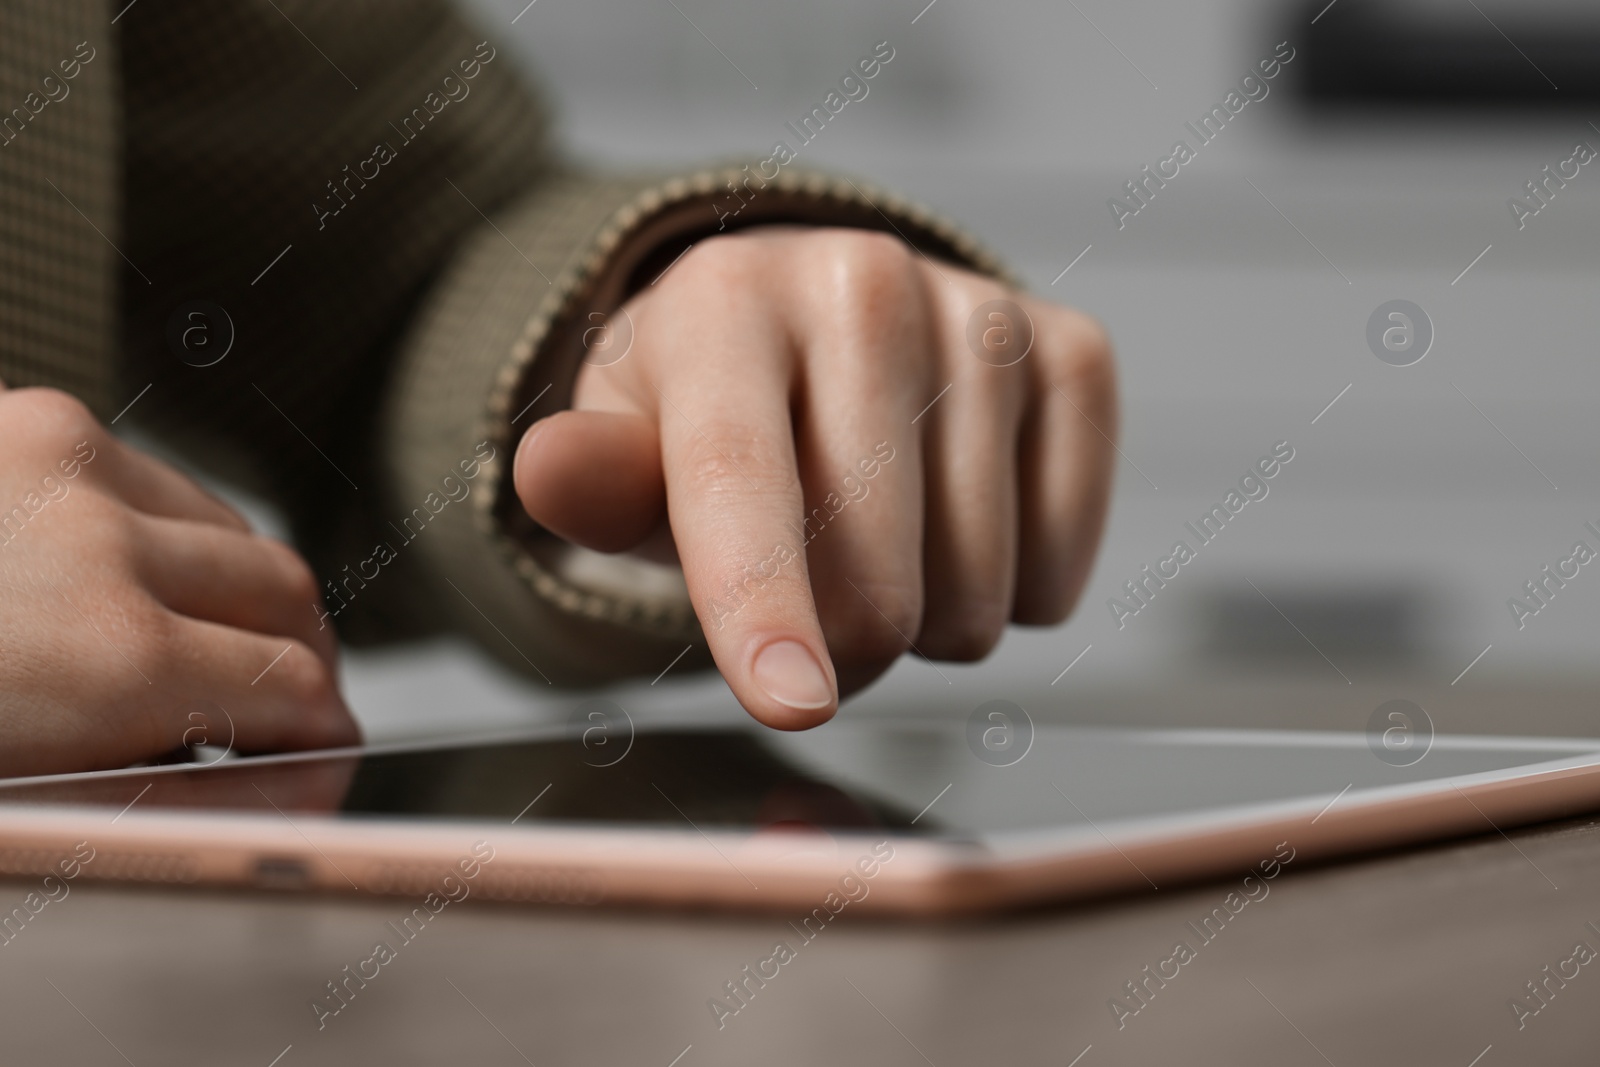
x=788, y=673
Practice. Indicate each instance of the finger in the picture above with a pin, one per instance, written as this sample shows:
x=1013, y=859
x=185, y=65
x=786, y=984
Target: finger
x=971, y=545
x=867, y=376
x=153, y=487
x=1067, y=459
x=236, y=579
x=92, y=452
x=593, y=478
x=278, y=693
x=733, y=493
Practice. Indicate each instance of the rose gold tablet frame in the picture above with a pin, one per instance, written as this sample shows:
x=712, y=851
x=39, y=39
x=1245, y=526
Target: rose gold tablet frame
x=780, y=872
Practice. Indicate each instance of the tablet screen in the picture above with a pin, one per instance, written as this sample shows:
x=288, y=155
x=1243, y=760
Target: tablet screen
x=924, y=778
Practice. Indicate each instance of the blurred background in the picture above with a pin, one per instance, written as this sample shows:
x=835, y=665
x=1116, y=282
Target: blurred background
x=1378, y=167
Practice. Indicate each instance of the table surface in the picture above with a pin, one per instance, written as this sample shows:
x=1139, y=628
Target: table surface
x=1410, y=957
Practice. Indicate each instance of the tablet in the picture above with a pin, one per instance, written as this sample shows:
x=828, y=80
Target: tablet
x=861, y=816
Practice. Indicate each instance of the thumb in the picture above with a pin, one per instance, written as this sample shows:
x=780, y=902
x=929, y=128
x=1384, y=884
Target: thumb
x=593, y=478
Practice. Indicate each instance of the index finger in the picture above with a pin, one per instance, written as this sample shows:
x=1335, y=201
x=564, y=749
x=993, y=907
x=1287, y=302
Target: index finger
x=734, y=499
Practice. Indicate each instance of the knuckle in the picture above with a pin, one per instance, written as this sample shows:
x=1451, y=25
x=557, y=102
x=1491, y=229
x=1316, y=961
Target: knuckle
x=966, y=632
x=52, y=415
x=1049, y=605
x=876, y=621
x=305, y=677
x=1078, y=356
x=118, y=536
x=867, y=272
x=728, y=454
x=979, y=289
x=295, y=577
x=221, y=512
x=716, y=260
x=54, y=404
x=335, y=728
x=866, y=253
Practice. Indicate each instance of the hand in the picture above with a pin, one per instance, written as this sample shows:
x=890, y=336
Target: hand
x=844, y=477
x=129, y=597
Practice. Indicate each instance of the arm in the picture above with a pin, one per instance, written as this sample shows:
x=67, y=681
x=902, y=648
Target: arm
x=437, y=280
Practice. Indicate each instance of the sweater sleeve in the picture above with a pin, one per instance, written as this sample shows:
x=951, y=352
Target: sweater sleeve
x=498, y=346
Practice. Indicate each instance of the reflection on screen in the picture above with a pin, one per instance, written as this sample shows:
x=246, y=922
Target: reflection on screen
x=707, y=778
